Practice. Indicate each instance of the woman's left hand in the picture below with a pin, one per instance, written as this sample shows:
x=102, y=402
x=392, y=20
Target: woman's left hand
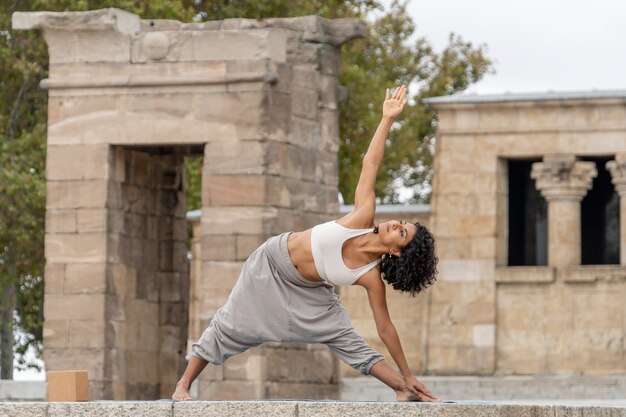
x=394, y=103
x=419, y=390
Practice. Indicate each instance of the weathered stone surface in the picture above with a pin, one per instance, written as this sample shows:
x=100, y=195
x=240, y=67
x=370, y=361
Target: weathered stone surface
x=220, y=274
x=298, y=366
x=525, y=274
x=74, y=307
x=246, y=244
x=76, y=194
x=102, y=409
x=86, y=334
x=248, y=366
x=76, y=162
x=77, y=358
x=8, y=409
x=56, y=333
x=304, y=102
x=83, y=278
x=234, y=158
x=231, y=390
x=76, y=247
x=295, y=408
x=54, y=276
x=231, y=408
x=312, y=409
x=238, y=220
x=281, y=390
x=61, y=221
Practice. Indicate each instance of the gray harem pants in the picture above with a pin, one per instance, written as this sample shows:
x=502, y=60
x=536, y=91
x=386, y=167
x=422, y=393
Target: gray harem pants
x=272, y=302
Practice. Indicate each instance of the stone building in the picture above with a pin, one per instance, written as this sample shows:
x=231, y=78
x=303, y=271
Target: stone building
x=526, y=206
x=128, y=100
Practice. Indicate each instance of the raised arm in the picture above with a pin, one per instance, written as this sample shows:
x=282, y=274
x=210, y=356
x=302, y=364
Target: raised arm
x=364, y=197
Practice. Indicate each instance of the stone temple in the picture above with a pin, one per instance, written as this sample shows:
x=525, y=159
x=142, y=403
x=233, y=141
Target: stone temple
x=526, y=209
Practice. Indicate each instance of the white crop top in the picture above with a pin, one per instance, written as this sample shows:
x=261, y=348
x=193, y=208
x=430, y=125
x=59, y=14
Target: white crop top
x=326, y=244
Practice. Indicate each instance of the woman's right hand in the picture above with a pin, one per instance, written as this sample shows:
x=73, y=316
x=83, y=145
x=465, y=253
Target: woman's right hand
x=394, y=103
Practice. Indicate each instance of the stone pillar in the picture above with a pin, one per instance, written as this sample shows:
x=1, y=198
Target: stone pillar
x=617, y=168
x=563, y=181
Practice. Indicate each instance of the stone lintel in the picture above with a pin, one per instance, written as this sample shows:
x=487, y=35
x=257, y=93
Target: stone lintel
x=617, y=168
x=94, y=20
x=562, y=177
x=524, y=274
x=592, y=273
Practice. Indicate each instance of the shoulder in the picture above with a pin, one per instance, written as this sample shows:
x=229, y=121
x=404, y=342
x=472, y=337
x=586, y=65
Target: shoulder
x=372, y=281
x=357, y=219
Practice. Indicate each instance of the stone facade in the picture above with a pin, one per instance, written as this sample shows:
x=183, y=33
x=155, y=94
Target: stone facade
x=128, y=100
x=487, y=317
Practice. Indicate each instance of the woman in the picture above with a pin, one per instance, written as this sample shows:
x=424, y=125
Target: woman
x=285, y=290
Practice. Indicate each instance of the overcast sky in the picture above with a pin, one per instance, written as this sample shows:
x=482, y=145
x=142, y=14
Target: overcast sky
x=560, y=45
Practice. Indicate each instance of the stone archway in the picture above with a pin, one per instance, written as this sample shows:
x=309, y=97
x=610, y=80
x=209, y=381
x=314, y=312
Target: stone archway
x=127, y=99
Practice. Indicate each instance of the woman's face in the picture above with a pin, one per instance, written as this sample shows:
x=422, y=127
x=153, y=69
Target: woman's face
x=396, y=234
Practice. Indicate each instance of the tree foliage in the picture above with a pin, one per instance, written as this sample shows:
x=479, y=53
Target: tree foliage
x=392, y=55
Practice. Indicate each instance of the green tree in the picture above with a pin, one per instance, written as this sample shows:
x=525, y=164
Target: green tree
x=22, y=187
x=386, y=59
x=23, y=110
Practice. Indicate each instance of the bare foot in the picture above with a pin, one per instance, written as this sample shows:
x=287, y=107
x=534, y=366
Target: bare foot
x=406, y=395
x=182, y=392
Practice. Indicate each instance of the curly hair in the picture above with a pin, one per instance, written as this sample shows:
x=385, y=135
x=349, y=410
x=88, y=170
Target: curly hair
x=416, y=268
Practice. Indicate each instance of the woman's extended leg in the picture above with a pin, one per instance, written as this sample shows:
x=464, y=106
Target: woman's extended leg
x=194, y=367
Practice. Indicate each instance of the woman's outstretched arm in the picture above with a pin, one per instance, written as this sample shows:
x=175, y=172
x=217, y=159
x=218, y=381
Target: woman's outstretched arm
x=392, y=107
x=376, y=293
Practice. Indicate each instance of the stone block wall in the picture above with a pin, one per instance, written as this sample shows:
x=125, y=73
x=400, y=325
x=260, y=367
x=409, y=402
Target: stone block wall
x=487, y=317
x=76, y=272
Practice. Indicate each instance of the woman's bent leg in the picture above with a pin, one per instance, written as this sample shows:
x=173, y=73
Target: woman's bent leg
x=194, y=367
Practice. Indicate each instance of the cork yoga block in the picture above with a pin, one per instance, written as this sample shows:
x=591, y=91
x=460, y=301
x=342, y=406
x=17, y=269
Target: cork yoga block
x=68, y=386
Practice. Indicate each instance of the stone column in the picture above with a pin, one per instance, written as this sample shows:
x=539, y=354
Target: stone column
x=563, y=181
x=617, y=168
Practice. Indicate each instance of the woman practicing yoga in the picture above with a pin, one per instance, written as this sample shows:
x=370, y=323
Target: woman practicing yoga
x=285, y=290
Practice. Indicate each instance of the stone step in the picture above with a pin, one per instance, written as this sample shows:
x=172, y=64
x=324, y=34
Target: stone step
x=298, y=409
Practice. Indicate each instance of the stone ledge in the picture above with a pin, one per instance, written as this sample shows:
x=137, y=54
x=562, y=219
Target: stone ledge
x=167, y=408
x=156, y=81
x=516, y=274
x=22, y=390
x=592, y=273
x=96, y=20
